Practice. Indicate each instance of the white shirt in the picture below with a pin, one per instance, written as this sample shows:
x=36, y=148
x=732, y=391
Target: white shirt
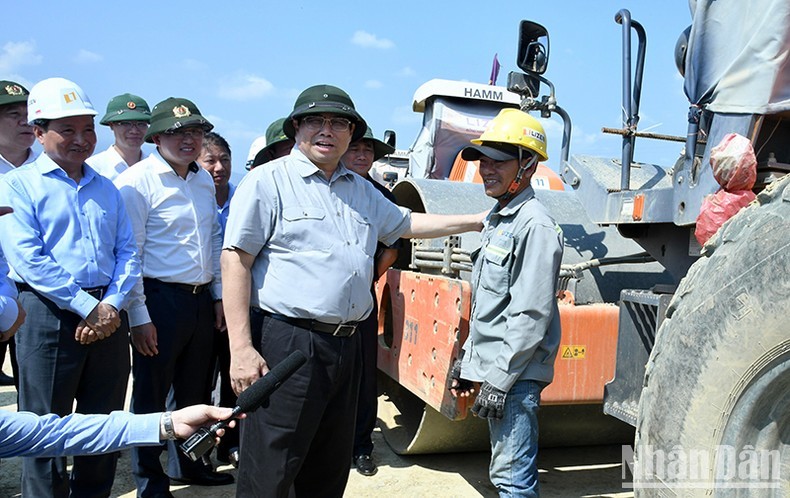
x=7, y=167
x=176, y=227
x=109, y=163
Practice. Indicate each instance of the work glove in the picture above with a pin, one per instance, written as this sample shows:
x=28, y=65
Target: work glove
x=490, y=403
x=456, y=382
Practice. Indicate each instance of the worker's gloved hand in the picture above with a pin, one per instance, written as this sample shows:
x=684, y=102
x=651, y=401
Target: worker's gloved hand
x=461, y=386
x=490, y=403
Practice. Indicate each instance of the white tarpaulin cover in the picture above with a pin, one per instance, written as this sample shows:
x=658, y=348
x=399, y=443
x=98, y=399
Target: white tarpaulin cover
x=738, y=56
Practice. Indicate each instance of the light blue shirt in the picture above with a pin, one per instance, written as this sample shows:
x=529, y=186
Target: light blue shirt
x=63, y=237
x=224, y=210
x=31, y=435
x=9, y=311
x=313, y=239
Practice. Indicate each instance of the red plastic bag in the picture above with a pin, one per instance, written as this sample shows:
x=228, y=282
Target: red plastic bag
x=718, y=208
x=734, y=164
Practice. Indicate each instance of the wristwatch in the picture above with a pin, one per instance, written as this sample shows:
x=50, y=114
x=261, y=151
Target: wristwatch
x=166, y=426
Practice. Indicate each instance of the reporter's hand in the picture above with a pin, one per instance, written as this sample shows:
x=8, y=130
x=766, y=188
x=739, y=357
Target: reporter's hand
x=187, y=421
x=144, y=339
x=490, y=403
x=246, y=366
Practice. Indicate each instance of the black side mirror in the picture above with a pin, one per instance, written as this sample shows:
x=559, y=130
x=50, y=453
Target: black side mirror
x=389, y=138
x=533, y=48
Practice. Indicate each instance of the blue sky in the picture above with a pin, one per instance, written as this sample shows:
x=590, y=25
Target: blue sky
x=244, y=63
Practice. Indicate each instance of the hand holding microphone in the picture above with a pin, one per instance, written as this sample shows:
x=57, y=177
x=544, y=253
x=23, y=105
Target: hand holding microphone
x=250, y=399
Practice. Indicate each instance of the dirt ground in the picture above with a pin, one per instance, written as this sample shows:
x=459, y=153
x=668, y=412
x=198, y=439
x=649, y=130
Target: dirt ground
x=564, y=472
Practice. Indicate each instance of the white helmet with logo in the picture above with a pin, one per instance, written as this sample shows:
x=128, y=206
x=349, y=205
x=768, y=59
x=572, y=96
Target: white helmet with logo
x=55, y=98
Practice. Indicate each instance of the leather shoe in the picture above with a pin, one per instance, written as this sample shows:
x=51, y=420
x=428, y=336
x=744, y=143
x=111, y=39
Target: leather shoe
x=229, y=456
x=365, y=465
x=206, y=478
x=6, y=380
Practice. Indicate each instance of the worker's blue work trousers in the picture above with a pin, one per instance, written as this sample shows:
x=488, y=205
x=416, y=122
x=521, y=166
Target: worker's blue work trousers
x=514, y=442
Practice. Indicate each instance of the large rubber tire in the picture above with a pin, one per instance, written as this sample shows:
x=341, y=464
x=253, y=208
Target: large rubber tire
x=718, y=377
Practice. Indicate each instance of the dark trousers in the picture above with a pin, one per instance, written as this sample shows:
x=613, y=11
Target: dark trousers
x=54, y=371
x=227, y=398
x=367, y=405
x=301, y=440
x=185, y=335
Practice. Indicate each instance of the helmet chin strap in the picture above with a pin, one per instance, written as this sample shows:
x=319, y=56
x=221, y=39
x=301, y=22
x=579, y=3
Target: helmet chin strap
x=516, y=183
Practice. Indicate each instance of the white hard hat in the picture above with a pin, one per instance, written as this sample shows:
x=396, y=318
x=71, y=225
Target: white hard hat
x=257, y=145
x=55, y=98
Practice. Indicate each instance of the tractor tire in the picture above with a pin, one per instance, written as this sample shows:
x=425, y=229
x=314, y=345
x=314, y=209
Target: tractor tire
x=714, y=414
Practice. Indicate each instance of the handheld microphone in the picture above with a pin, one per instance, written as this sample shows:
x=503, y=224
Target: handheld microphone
x=250, y=399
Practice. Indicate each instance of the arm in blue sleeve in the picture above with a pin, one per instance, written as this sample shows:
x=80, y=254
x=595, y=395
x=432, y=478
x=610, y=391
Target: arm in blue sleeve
x=20, y=237
x=28, y=434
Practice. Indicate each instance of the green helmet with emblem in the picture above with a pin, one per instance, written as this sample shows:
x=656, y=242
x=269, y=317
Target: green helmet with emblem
x=126, y=107
x=12, y=93
x=174, y=113
x=321, y=99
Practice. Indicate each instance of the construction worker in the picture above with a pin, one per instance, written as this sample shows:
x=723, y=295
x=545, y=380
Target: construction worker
x=514, y=330
x=271, y=146
x=359, y=158
x=173, y=209
x=128, y=117
x=305, y=218
x=73, y=256
x=16, y=140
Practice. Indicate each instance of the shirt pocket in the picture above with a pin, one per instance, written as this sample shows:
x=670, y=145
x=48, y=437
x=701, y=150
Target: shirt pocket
x=495, y=269
x=305, y=229
x=363, y=232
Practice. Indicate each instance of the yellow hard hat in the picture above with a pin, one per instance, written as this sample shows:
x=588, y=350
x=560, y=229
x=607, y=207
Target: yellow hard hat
x=515, y=127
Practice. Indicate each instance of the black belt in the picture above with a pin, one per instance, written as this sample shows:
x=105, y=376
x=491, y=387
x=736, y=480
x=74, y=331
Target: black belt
x=96, y=292
x=335, y=329
x=191, y=289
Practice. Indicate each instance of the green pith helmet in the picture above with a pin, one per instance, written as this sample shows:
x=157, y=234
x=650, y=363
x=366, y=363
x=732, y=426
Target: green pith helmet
x=274, y=136
x=12, y=93
x=126, y=107
x=173, y=113
x=380, y=149
x=319, y=99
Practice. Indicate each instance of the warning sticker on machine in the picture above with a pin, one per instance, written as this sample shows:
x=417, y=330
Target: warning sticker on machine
x=572, y=352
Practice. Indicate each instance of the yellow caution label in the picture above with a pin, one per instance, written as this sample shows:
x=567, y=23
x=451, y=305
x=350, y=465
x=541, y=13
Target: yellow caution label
x=573, y=352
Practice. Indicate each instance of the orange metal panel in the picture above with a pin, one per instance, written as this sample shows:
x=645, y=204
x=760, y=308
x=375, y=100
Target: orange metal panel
x=424, y=319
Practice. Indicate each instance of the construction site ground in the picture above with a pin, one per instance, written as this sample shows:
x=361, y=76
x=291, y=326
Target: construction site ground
x=591, y=471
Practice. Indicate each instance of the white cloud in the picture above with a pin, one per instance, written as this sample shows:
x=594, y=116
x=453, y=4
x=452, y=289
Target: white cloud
x=16, y=54
x=243, y=86
x=87, y=57
x=373, y=84
x=369, y=40
x=407, y=72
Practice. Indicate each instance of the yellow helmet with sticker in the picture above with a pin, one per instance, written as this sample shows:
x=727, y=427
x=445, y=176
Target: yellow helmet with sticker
x=515, y=127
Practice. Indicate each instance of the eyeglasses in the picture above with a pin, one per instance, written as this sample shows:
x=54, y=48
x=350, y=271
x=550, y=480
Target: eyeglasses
x=140, y=125
x=186, y=132
x=316, y=123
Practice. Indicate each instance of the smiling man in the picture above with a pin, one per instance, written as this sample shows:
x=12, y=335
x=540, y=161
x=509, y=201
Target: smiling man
x=72, y=253
x=514, y=330
x=128, y=117
x=171, y=202
x=299, y=249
